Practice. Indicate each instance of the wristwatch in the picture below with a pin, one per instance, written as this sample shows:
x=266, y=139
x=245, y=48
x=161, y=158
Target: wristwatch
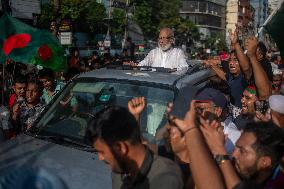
x=221, y=158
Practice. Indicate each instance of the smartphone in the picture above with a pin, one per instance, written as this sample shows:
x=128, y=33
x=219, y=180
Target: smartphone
x=210, y=116
x=261, y=106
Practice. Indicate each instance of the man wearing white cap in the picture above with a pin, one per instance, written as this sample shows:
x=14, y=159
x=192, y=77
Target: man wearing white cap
x=276, y=103
x=277, y=81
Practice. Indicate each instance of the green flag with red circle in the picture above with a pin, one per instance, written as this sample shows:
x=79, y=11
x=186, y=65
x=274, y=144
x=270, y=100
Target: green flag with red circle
x=23, y=43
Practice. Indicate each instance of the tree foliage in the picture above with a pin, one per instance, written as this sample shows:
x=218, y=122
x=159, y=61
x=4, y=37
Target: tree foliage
x=86, y=15
x=216, y=42
x=118, y=23
x=153, y=15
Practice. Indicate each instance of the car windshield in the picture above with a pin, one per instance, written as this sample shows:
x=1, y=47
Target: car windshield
x=73, y=110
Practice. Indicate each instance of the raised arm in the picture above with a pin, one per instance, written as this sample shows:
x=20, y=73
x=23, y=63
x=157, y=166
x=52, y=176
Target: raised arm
x=215, y=139
x=243, y=59
x=262, y=82
x=214, y=65
x=202, y=164
x=136, y=106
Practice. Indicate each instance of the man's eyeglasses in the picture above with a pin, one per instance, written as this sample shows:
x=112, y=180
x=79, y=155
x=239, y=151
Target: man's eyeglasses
x=165, y=38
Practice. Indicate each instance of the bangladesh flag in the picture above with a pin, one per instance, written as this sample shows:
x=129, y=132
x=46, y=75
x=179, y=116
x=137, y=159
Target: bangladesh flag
x=275, y=27
x=23, y=43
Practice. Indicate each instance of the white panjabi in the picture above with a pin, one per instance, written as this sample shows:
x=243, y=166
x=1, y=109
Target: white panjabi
x=172, y=58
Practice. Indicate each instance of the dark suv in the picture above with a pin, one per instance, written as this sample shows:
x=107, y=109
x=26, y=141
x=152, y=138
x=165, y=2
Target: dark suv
x=56, y=142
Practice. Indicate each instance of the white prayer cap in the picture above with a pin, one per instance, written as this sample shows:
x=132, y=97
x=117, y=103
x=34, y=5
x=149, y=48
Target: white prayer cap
x=276, y=71
x=276, y=103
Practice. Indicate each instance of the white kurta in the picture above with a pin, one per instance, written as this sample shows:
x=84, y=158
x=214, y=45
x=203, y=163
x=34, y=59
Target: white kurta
x=173, y=58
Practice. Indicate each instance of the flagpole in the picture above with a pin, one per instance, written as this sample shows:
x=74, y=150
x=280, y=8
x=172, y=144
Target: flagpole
x=267, y=20
x=4, y=84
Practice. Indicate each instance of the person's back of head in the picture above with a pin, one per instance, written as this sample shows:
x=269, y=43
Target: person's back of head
x=38, y=84
x=20, y=79
x=114, y=124
x=46, y=73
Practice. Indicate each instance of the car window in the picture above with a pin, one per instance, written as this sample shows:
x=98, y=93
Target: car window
x=78, y=103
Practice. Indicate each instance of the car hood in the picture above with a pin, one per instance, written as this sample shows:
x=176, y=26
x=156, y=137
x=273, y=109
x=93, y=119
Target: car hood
x=75, y=167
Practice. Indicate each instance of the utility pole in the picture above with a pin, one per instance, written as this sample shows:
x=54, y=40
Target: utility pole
x=107, y=41
x=126, y=24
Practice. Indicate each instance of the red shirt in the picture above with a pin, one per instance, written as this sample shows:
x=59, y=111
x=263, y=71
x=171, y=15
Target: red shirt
x=12, y=100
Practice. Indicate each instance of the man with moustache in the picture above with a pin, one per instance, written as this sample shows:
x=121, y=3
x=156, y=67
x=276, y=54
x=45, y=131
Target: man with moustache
x=256, y=158
x=165, y=55
x=115, y=134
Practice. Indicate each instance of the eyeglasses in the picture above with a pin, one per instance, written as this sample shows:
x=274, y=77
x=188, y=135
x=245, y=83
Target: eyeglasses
x=165, y=38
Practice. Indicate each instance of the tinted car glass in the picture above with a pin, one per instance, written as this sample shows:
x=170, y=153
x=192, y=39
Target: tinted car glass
x=80, y=101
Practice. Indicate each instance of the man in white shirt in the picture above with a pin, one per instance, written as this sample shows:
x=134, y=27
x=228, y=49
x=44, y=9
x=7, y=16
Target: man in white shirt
x=165, y=55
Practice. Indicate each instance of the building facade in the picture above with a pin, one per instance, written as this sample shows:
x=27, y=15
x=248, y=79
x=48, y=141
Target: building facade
x=240, y=13
x=261, y=12
x=208, y=15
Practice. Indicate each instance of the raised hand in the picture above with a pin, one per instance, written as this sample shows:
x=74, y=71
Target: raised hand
x=262, y=117
x=234, y=37
x=214, y=135
x=251, y=46
x=136, y=106
x=188, y=122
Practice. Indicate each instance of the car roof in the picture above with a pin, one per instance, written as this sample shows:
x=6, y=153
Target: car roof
x=177, y=79
x=147, y=76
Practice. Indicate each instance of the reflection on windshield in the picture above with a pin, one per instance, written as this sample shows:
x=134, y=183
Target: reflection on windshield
x=77, y=105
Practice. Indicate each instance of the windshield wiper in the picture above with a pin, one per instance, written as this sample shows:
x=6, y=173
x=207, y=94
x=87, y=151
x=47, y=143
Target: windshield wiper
x=61, y=139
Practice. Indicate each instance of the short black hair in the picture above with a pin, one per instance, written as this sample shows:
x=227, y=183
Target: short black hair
x=46, y=73
x=20, y=79
x=38, y=83
x=262, y=48
x=269, y=140
x=114, y=124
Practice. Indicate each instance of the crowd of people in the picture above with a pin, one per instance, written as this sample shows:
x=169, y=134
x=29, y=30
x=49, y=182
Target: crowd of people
x=231, y=136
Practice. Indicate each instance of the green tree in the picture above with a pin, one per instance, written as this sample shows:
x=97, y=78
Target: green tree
x=185, y=30
x=152, y=15
x=92, y=17
x=216, y=42
x=46, y=16
x=86, y=15
x=118, y=23
x=143, y=17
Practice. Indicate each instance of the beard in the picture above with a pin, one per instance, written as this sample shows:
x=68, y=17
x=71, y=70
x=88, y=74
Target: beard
x=251, y=173
x=121, y=164
x=166, y=47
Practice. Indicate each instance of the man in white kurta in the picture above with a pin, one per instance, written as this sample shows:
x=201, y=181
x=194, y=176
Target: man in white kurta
x=165, y=55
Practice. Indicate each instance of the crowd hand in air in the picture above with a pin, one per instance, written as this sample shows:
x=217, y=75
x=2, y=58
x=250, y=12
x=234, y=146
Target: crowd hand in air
x=136, y=106
x=214, y=135
x=212, y=61
x=251, y=46
x=129, y=63
x=262, y=117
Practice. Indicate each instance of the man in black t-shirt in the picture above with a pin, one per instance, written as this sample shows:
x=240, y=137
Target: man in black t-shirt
x=115, y=134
